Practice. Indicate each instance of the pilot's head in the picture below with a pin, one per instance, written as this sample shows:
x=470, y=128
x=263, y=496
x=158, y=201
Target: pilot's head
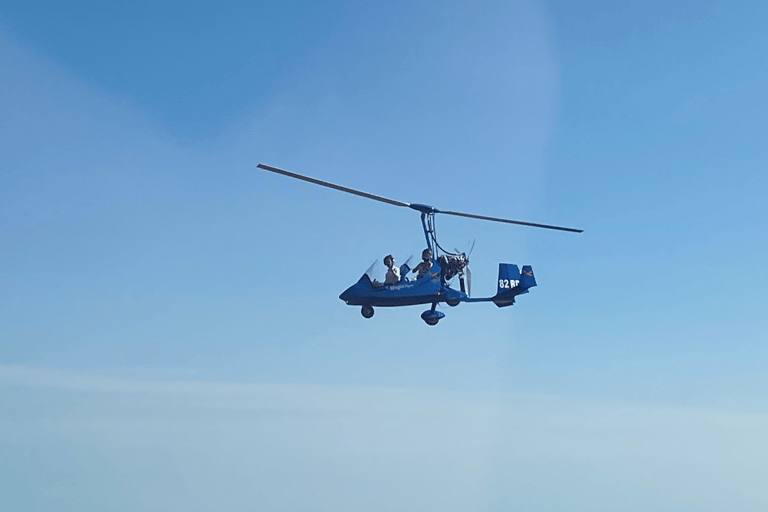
x=426, y=254
x=389, y=261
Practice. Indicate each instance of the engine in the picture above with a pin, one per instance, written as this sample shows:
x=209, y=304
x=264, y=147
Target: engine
x=452, y=265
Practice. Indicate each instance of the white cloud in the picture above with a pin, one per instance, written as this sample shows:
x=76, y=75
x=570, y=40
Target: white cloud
x=189, y=445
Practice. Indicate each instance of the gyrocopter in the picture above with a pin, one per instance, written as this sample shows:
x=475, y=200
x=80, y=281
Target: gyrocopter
x=434, y=286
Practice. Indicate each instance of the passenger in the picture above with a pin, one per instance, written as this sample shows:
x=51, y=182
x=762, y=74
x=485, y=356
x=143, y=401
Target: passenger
x=426, y=264
x=393, y=274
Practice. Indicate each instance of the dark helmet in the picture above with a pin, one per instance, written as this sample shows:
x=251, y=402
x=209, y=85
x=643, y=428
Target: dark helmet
x=426, y=254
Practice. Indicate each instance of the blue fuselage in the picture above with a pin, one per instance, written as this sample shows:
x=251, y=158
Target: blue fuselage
x=426, y=290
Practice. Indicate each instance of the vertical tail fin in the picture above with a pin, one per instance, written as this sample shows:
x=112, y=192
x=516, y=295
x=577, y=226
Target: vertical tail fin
x=527, y=280
x=512, y=283
x=509, y=277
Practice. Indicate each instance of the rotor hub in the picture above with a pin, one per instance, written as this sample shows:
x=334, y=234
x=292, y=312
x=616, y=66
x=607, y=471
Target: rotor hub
x=424, y=208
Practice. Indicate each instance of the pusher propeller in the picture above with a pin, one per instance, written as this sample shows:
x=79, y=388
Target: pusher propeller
x=419, y=207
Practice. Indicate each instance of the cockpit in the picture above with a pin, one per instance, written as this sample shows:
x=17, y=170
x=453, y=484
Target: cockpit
x=377, y=272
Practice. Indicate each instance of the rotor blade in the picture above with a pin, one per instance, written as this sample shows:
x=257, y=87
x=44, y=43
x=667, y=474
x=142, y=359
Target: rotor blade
x=332, y=185
x=496, y=219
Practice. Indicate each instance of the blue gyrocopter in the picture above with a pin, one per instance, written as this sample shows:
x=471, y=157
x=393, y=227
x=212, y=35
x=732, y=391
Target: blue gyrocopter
x=434, y=286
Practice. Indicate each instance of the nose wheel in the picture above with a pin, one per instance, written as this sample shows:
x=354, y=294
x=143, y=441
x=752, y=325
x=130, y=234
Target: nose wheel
x=431, y=316
x=367, y=311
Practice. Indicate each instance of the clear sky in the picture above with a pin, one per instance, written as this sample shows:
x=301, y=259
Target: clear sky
x=170, y=332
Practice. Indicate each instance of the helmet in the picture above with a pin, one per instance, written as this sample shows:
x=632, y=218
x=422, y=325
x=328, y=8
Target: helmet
x=388, y=257
x=426, y=254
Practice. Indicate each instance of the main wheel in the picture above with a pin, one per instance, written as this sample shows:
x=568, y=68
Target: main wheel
x=367, y=311
x=431, y=320
x=453, y=302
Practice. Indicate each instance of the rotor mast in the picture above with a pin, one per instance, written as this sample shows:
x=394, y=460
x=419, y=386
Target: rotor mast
x=428, y=223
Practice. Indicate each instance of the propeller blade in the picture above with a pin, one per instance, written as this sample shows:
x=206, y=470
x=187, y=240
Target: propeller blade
x=332, y=185
x=508, y=221
x=469, y=281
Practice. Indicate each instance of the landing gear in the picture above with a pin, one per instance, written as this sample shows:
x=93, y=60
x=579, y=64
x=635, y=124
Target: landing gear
x=453, y=302
x=431, y=317
x=367, y=311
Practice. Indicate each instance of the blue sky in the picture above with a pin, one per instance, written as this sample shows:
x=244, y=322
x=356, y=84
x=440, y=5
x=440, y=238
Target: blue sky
x=167, y=305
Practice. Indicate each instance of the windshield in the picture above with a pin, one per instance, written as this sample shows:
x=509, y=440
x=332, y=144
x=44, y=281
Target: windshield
x=378, y=272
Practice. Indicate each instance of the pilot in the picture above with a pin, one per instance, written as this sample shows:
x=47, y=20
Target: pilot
x=393, y=273
x=426, y=264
